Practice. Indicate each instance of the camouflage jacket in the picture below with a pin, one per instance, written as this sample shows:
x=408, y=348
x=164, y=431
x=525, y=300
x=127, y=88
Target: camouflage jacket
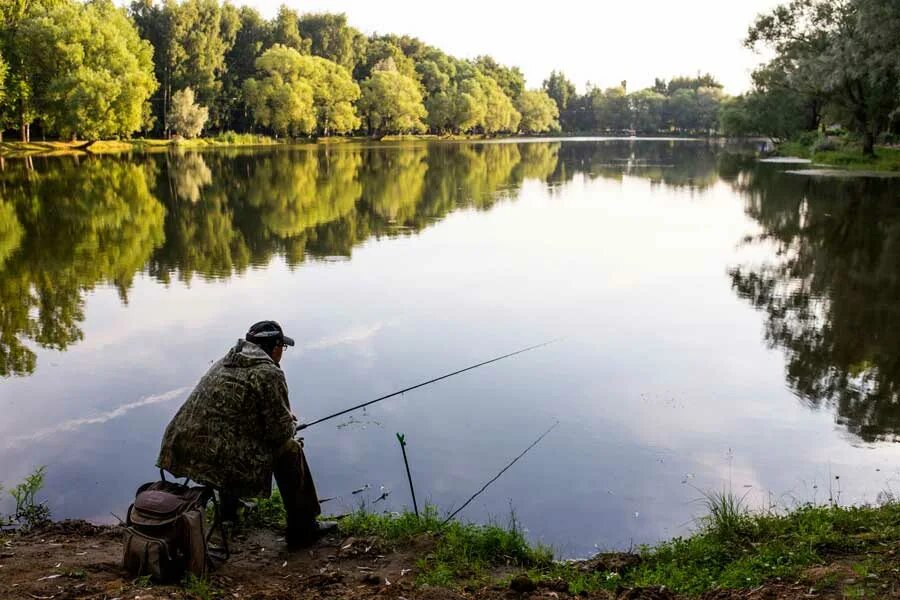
x=233, y=424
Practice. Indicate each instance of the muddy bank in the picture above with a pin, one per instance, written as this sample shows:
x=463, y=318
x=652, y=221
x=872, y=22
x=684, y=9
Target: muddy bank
x=74, y=559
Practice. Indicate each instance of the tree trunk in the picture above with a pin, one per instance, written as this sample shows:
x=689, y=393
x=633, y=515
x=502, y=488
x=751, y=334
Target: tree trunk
x=25, y=132
x=869, y=144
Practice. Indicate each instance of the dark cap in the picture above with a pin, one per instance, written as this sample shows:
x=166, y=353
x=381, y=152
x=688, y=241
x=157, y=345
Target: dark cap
x=267, y=331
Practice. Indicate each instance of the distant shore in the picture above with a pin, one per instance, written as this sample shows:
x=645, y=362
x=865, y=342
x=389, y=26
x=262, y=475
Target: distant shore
x=834, y=152
x=17, y=149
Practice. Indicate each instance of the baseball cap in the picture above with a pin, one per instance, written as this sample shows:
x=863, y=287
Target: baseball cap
x=266, y=331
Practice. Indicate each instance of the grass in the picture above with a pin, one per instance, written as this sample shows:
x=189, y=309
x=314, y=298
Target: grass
x=732, y=547
x=200, y=588
x=841, y=153
x=461, y=552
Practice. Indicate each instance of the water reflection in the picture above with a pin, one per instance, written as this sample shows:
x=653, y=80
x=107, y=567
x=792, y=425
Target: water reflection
x=67, y=225
x=828, y=285
x=64, y=230
x=632, y=250
x=830, y=289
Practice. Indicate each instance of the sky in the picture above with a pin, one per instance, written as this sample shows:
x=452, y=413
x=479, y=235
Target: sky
x=601, y=41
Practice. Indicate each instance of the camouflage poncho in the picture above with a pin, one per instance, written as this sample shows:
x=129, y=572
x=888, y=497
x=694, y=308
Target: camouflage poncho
x=233, y=424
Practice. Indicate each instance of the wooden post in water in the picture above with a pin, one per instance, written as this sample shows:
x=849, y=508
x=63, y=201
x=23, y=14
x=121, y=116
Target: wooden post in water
x=402, y=439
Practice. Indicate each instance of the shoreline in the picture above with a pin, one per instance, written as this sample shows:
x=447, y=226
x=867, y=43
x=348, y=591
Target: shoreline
x=17, y=149
x=886, y=159
x=810, y=551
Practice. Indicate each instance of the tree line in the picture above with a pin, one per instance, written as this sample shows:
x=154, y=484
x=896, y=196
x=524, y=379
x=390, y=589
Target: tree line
x=92, y=70
x=89, y=70
x=835, y=62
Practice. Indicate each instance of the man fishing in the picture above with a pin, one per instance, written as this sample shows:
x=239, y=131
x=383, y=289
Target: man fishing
x=236, y=430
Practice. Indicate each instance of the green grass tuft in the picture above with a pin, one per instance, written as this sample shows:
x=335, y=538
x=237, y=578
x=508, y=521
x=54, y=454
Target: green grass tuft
x=200, y=588
x=461, y=551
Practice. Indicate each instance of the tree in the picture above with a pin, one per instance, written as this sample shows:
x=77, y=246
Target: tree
x=682, y=110
x=331, y=38
x=286, y=31
x=560, y=89
x=510, y=79
x=20, y=108
x=281, y=99
x=334, y=93
x=647, y=109
x=736, y=118
x=539, y=112
x=186, y=118
x=392, y=103
x=381, y=49
x=318, y=93
x=825, y=46
x=251, y=39
x=500, y=114
x=95, y=73
x=611, y=109
x=190, y=42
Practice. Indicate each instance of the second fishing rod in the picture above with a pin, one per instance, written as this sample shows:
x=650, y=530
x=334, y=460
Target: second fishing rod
x=303, y=426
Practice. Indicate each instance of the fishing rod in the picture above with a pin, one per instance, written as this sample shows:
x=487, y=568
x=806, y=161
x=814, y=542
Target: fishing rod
x=303, y=426
x=497, y=476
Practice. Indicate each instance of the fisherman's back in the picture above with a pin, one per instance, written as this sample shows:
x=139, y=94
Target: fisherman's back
x=230, y=429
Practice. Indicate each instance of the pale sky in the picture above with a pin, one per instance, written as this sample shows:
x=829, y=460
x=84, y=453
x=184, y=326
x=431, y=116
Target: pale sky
x=604, y=41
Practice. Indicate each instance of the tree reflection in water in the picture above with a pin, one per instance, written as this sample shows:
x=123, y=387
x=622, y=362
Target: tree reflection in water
x=831, y=291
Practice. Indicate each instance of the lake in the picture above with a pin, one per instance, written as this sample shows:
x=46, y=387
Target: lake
x=723, y=324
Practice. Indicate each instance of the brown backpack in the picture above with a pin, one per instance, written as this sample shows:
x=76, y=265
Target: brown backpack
x=165, y=531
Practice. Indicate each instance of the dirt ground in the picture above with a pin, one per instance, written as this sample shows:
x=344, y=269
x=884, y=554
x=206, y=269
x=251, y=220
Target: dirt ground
x=74, y=559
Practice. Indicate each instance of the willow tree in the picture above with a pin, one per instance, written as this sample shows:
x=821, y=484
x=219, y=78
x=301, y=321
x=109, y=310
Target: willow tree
x=539, y=112
x=392, y=103
x=280, y=98
x=302, y=94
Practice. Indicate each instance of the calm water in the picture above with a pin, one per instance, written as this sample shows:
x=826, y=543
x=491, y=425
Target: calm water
x=725, y=323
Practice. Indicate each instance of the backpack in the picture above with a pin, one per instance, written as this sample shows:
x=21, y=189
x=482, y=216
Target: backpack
x=165, y=533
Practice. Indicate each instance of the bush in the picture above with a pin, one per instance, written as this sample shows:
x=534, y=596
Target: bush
x=29, y=512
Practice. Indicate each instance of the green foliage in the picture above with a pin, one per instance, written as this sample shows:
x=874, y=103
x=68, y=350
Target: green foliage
x=460, y=550
x=828, y=150
x=539, y=112
x=3, y=69
x=30, y=513
x=286, y=30
x=94, y=74
x=647, y=110
x=331, y=38
x=269, y=512
x=510, y=79
x=199, y=588
x=392, y=103
x=611, y=109
x=186, y=118
x=281, y=99
x=302, y=94
x=560, y=89
x=840, y=57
